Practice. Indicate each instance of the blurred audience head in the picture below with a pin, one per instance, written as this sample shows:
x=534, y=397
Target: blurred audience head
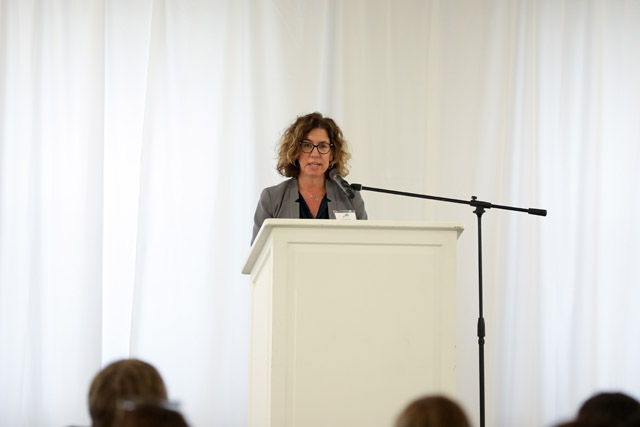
x=609, y=409
x=148, y=413
x=125, y=379
x=433, y=411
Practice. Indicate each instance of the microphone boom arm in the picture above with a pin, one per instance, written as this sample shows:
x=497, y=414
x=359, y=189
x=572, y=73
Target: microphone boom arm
x=473, y=202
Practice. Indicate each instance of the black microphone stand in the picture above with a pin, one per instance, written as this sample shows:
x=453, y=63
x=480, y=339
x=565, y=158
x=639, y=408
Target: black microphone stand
x=480, y=208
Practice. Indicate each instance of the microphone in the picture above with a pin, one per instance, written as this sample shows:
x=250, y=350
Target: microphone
x=336, y=176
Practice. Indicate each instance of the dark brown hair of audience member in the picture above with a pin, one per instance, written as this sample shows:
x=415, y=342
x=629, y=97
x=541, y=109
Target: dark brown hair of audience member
x=125, y=379
x=148, y=414
x=576, y=424
x=433, y=411
x=289, y=147
x=609, y=409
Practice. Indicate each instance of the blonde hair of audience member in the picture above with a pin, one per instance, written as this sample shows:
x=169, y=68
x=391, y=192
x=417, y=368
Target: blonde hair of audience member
x=125, y=379
x=433, y=411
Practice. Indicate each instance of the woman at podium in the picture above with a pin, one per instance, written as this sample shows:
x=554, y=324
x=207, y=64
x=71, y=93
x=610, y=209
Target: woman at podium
x=309, y=149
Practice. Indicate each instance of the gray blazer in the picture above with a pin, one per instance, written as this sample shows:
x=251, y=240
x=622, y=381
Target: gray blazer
x=279, y=201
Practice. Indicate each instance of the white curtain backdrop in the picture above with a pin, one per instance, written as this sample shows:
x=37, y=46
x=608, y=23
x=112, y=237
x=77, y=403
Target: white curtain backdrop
x=136, y=135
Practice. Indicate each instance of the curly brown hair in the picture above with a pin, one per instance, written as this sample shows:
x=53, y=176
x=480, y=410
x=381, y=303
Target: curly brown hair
x=289, y=147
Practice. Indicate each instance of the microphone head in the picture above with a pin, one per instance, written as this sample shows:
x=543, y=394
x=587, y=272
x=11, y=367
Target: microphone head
x=334, y=172
x=336, y=176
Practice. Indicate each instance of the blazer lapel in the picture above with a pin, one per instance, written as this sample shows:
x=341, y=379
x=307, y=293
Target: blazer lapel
x=292, y=206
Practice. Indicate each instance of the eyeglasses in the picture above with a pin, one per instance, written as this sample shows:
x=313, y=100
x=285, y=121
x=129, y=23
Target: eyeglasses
x=323, y=147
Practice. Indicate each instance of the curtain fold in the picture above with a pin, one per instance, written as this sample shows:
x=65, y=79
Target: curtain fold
x=51, y=209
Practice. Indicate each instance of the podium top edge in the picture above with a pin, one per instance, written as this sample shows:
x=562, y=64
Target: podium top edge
x=323, y=223
x=272, y=223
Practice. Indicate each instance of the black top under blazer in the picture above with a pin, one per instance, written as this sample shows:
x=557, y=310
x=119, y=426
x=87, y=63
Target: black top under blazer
x=279, y=201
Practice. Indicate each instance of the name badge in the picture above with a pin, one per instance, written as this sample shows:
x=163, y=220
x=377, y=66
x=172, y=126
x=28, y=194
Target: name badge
x=348, y=214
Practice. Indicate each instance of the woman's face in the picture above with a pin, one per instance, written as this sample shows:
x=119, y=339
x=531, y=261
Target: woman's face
x=315, y=164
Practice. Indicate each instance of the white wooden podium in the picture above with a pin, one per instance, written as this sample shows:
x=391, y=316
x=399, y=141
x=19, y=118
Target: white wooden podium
x=350, y=320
